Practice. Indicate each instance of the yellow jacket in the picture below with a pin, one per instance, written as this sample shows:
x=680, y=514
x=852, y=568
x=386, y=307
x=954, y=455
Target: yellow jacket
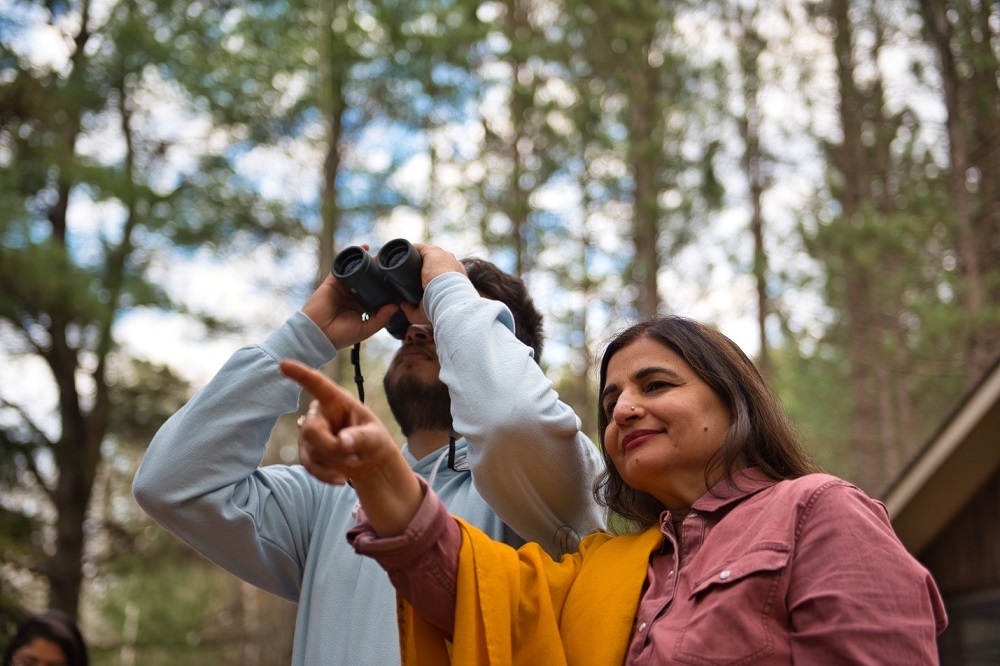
x=550, y=608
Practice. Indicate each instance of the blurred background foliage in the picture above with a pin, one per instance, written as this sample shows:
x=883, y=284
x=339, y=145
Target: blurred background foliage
x=817, y=178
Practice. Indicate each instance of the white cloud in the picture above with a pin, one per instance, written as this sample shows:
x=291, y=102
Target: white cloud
x=177, y=342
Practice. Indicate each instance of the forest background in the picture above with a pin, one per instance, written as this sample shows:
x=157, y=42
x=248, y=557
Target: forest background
x=819, y=179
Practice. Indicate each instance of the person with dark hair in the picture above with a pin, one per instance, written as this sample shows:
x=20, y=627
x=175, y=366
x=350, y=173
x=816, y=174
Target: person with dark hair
x=483, y=427
x=49, y=638
x=734, y=549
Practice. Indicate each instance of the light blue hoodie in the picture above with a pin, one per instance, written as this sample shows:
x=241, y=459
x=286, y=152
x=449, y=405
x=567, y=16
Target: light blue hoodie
x=282, y=530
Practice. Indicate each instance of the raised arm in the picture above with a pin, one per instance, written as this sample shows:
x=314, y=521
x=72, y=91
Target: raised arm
x=201, y=476
x=529, y=458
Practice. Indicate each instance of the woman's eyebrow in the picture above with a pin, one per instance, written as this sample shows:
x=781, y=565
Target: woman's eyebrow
x=655, y=370
x=642, y=374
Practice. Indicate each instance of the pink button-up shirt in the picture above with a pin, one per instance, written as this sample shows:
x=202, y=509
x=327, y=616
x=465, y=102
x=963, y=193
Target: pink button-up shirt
x=805, y=571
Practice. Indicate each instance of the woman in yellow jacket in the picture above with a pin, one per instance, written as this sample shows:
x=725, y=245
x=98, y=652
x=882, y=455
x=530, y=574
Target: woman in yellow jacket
x=736, y=548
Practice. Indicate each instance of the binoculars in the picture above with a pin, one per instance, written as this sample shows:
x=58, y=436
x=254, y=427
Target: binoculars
x=392, y=277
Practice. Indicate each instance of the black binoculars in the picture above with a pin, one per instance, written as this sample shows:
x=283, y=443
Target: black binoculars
x=394, y=276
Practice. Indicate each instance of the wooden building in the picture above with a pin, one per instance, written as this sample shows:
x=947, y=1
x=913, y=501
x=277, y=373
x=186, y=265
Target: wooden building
x=945, y=506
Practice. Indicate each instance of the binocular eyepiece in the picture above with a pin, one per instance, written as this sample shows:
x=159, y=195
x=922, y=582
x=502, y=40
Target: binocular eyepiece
x=394, y=276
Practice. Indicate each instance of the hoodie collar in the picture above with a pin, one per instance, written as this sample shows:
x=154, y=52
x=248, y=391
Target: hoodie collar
x=426, y=465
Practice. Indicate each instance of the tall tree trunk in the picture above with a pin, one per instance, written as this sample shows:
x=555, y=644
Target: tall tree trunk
x=972, y=102
x=645, y=165
x=77, y=450
x=852, y=167
x=332, y=74
x=750, y=47
x=520, y=100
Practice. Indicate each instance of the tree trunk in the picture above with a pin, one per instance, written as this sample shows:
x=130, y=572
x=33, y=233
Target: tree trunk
x=517, y=23
x=332, y=105
x=77, y=450
x=645, y=165
x=851, y=164
x=751, y=46
x=968, y=69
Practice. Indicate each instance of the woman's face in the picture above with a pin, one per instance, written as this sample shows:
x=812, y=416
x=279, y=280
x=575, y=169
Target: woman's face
x=39, y=652
x=664, y=423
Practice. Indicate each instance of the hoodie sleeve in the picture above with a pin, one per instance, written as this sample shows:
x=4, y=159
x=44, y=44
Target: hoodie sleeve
x=529, y=458
x=200, y=477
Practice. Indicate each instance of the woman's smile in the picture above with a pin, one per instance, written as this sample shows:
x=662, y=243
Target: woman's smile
x=637, y=438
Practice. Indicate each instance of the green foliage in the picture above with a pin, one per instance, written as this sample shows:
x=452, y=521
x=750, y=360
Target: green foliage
x=178, y=607
x=811, y=390
x=143, y=396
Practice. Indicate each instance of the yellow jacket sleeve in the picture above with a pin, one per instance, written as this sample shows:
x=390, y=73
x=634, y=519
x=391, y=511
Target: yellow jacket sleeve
x=522, y=607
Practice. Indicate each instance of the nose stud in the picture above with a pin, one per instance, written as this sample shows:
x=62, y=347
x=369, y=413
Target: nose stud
x=632, y=408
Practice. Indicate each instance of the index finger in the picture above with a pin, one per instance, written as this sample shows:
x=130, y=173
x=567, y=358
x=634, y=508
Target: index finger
x=334, y=400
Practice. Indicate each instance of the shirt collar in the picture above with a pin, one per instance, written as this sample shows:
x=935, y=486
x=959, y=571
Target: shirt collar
x=745, y=482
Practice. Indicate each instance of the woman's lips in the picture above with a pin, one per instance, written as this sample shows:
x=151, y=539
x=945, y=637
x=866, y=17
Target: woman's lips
x=634, y=439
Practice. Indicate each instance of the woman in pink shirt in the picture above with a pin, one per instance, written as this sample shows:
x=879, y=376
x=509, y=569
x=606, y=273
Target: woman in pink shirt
x=733, y=547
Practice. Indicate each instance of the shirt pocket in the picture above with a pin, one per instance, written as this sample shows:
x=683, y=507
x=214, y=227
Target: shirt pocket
x=731, y=609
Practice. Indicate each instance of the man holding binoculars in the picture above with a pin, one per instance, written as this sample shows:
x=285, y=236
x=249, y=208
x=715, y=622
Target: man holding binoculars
x=469, y=396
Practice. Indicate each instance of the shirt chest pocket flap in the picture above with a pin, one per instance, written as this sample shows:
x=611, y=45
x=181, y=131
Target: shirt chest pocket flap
x=734, y=595
x=761, y=558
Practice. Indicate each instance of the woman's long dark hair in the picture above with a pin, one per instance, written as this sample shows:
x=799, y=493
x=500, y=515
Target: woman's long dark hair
x=54, y=626
x=760, y=436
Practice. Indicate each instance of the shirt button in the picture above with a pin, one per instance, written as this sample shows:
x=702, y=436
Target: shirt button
x=642, y=627
x=724, y=575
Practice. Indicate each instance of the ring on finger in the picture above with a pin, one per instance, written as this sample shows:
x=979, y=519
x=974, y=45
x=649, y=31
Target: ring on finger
x=312, y=411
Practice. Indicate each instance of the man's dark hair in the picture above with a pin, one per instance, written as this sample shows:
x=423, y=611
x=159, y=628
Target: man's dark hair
x=493, y=283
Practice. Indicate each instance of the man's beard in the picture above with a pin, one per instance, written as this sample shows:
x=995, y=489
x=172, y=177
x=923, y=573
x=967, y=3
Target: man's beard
x=418, y=404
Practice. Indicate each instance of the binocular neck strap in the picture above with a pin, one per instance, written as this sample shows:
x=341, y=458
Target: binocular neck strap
x=452, y=436
x=356, y=362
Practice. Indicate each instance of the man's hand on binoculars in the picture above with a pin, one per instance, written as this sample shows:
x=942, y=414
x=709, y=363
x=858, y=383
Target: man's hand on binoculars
x=435, y=262
x=335, y=310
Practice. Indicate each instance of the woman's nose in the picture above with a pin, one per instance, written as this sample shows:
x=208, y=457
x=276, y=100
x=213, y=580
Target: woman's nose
x=626, y=409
